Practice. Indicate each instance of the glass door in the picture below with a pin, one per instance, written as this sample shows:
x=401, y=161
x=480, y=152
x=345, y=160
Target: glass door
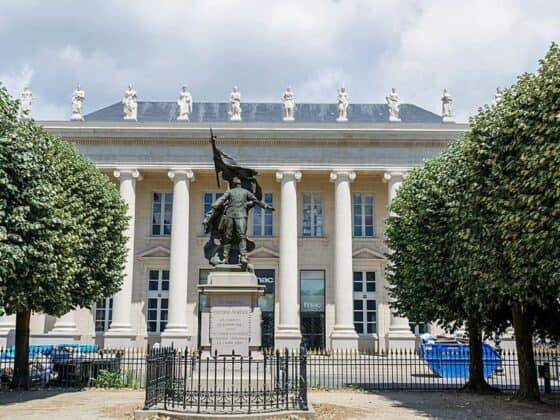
x=312, y=308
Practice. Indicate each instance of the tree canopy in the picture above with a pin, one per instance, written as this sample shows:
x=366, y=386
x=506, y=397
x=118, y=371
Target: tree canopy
x=477, y=229
x=61, y=225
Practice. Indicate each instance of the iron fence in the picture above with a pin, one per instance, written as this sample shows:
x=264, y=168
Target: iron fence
x=399, y=370
x=78, y=366
x=203, y=383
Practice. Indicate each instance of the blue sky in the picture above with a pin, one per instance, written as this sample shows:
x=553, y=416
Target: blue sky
x=262, y=46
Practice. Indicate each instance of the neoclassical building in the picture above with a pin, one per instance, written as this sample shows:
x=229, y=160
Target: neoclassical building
x=320, y=255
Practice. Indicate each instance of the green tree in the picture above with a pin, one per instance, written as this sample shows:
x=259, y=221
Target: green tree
x=513, y=152
x=61, y=228
x=437, y=255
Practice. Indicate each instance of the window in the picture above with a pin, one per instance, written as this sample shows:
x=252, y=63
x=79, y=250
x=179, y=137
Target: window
x=162, y=206
x=312, y=218
x=362, y=205
x=418, y=328
x=103, y=314
x=365, y=306
x=158, y=300
x=262, y=219
x=209, y=198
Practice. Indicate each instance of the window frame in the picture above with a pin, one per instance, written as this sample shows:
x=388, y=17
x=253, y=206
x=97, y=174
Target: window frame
x=363, y=226
x=161, y=223
x=261, y=215
x=107, y=311
x=314, y=226
x=365, y=296
x=159, y=295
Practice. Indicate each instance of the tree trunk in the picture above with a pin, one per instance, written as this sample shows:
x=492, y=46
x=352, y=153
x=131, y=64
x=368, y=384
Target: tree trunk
x=477, y=383
x=528, y=383
x=21, y=363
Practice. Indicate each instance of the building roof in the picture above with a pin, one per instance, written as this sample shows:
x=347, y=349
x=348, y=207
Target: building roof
x=151, y=111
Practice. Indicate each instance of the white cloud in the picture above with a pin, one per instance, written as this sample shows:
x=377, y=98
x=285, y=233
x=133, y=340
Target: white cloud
x=419, y=47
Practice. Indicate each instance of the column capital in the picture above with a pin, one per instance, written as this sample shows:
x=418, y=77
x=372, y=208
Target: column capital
x=181, y=172
x=288, y=175
x=394, y=175
x=130, y=172
x=342, y=175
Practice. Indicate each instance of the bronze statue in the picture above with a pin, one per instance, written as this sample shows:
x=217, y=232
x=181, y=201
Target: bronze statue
x=226, y=222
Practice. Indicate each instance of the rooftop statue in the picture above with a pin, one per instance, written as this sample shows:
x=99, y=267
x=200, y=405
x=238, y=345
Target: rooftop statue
x=235, y=105
x=130, y=104
x=342, y=100
x=185, y=104
x=447, y=106
x=78, y=98
x=289, y=102
x=25, y=103
x=226, y=222
x=393, y=103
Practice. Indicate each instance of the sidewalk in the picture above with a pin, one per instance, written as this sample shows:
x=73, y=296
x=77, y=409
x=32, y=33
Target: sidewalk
x=333, y=405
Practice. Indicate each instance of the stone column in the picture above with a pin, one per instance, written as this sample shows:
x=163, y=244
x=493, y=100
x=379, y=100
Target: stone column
x=121, y=333
x=343, y=335
x=65, y=330
x=177, y=329
x=399, y=335
x=288, y=333
x=7, y=330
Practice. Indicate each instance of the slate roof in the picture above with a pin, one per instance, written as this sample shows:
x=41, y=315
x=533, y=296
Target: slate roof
x=265, y=112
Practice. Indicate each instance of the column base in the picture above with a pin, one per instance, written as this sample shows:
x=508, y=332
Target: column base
x=179, y=338
x=287, y=337
x=64, y=335
x=119, y=337
x=344, y=337
x=7, y=337
x=400, y=340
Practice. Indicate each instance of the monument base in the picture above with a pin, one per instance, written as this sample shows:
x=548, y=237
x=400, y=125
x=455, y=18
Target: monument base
x=394, y=119
x=76, y=117
x=183, y=118
x=231, y=322
x=448, y=119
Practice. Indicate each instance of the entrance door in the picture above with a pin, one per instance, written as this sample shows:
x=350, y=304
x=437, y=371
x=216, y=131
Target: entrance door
x=312, y=308
x=266, y=278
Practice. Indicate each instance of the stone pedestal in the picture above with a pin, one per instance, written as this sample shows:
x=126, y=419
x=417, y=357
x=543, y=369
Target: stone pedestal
x=7, y=330
x=232, y=321
x=65, y=330
x=399, y=336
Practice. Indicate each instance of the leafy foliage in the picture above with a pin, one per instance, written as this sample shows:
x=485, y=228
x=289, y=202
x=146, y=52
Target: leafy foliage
x=61, y=222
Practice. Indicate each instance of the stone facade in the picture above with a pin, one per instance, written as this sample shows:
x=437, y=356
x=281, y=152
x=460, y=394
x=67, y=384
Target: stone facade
x=335, y=160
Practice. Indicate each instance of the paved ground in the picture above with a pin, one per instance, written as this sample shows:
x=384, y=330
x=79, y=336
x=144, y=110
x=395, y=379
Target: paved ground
x=99, y=404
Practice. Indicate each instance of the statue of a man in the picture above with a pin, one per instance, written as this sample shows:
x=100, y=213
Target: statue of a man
x=393, y=103
x=78, y=98
x=447, y=106
x=342, y=100
x=235, y=204
x=185, y=104
x=130, y=104
x=289, y=102
x=235, y=105
x=25, y=103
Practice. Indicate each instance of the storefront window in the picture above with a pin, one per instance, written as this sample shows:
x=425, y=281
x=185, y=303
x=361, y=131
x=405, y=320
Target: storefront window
x=312, y=308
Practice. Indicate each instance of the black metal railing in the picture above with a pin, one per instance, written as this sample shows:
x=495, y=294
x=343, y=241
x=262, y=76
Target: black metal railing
x=78, y=366
x=411, y=370
x=199, y=382
x=399, y=370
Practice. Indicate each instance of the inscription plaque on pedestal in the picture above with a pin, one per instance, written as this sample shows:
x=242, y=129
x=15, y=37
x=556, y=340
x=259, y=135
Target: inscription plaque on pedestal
x=230, y=330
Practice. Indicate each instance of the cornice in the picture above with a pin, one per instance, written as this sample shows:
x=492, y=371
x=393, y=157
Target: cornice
x=227, y=132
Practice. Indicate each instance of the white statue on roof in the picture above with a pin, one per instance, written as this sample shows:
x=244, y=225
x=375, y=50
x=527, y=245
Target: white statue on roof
x=130, y=104
x=289, y=102
x=25, y=103
x=342, y=100
x=498, y=95
x=393, y=102
x=446, y=106
x=235, y=105
x=185, y=104
x=78, y=98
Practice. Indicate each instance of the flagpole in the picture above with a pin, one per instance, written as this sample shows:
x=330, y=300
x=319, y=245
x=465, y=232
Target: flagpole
x=213, y=142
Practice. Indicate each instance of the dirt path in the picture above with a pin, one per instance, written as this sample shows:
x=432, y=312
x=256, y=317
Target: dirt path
x=98, y=404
